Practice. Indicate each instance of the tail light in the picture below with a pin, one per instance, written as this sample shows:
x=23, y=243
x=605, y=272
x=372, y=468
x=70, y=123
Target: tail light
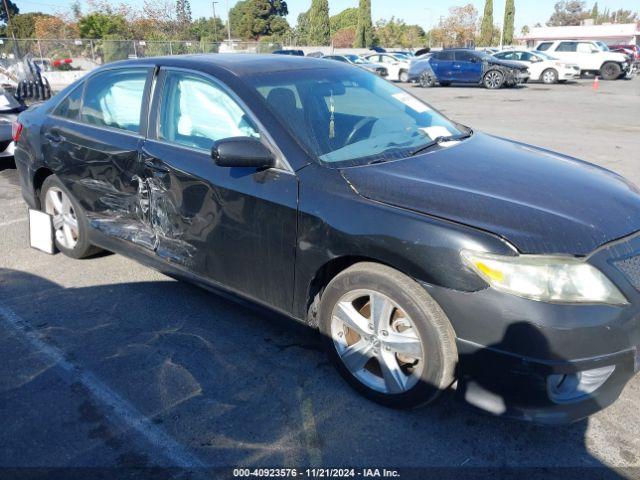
x=16, y=131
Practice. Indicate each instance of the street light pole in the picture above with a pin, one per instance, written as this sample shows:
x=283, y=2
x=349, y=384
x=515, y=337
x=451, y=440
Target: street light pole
x=215, y=24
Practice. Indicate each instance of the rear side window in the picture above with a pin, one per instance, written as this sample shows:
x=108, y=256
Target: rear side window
x=544, y=46
x=195, y=112
x=114, y=99
x=567, y=47
x=70, y=106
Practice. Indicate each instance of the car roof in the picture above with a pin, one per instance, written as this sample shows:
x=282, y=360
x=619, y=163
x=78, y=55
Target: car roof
x=238, y=64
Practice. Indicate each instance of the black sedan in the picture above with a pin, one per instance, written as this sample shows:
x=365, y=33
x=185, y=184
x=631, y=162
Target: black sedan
x=428, y=256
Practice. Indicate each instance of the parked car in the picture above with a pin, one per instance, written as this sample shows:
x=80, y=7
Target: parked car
x=10, y=108
x=396, y=65
x=421, y=72
x=297, y=53
x=358, y=61
x=462, y=65
x=424, y=252
x=542, y=67
x=589, y=56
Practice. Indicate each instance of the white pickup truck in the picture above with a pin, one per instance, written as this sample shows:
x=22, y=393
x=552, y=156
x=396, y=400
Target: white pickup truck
x=590, y=56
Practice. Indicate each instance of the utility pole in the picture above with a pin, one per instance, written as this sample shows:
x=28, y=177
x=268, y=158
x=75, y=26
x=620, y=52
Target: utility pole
x=215, y=24
x=16, y=50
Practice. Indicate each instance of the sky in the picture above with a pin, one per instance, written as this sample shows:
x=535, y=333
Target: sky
x=425, y=13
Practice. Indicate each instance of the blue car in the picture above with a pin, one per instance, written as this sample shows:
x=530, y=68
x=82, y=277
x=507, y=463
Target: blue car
x=463, y=65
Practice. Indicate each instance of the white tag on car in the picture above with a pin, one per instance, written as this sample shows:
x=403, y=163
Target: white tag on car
x=41, y=231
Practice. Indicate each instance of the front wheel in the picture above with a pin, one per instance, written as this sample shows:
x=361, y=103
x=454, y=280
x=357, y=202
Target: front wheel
x=386, y=336
x=404, y=76
x=549, y=76
x=68, y=218
x=493, y=79
x=610, y=71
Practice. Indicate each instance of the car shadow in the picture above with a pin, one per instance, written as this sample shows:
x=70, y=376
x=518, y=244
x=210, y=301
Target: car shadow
x=241, y=386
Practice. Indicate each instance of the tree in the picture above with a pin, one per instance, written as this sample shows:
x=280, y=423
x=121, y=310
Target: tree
x=207, y=29
x=595, y=14
x=13, y=11
x=458, y=29
x=23, y=25
x=364, y=32
x=486, y=28
x=619, y=16
x=319, y=30
x=396, y=33
x=302, y=29
x=251, y=19
x=509, y=18
x=524, y=31
x=568, y=12
x=50, y=27
x=344, y=37
x=347, y=18
x=99, y=25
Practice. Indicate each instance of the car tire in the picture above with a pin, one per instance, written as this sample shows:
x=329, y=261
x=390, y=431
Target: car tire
x=403, y=76
x=427, y=81
x=549, y=76
x=405, y=358
x=69, y=219
x=493, y=79
x=610, y=71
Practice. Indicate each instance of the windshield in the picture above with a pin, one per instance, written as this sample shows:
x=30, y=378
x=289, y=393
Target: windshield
x=603, y=46
x=351, y=117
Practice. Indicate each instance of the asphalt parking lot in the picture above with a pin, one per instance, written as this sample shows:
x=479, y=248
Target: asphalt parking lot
x=105, y=363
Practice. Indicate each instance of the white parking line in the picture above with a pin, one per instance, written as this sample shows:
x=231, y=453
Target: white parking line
x=126, y=413
x=12, y=222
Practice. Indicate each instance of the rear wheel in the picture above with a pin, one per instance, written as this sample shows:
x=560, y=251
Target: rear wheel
x=610, y=71
x=549, y=76
x=68, y=218
x=386, y=336
x=493, y=79
x=427, y=81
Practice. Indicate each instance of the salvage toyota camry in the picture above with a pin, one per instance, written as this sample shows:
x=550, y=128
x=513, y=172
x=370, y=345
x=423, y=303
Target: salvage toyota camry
x=428, y=255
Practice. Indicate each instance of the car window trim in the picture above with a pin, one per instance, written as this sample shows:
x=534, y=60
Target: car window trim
x=155, y=105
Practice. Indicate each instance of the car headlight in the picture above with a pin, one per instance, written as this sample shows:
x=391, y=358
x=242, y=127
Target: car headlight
x=545, y=278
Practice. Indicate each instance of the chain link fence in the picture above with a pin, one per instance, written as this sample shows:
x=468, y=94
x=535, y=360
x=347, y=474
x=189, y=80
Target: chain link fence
x=86, y=54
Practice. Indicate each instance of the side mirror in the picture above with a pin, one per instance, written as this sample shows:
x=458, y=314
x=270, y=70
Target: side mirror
x=242, y=152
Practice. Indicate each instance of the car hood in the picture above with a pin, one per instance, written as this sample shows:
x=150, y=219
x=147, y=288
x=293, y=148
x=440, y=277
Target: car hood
x=506, y=63
x=540, y=201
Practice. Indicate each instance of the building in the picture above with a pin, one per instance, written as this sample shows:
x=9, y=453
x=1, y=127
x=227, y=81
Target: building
x=611, y=34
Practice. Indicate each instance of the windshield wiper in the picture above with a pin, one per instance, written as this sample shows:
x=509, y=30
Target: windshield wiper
x=439, y=140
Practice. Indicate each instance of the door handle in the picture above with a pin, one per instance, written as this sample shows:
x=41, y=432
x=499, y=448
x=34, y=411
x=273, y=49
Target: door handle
x=53, y=137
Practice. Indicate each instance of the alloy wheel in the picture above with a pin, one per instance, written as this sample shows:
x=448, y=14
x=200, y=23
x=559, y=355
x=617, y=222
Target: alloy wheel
x=549, y=76
x=493, y=79
x=65, y=222
x=377, y=341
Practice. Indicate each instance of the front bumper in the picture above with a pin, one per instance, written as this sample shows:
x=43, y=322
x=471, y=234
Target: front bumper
x=510, y=348
x=572, y=73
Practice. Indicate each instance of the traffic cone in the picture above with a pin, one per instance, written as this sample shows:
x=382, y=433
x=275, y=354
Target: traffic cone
x=596, y=83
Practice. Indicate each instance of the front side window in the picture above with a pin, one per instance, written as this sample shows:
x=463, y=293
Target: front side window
x=463, y=56
x=446, y=55
x=69, y=108
x=195, y=112
x=114, y=99
x=350, y=116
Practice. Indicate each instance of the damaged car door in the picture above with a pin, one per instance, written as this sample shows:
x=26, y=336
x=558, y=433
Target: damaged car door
x=235, y=226
x=92, y=141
